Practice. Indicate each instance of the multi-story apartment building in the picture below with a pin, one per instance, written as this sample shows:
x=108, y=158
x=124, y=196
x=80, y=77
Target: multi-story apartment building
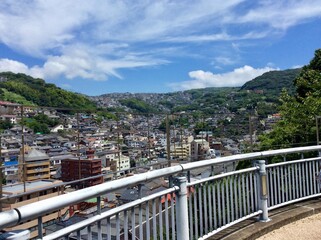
x=199, y=149
x=37, y=165
x=120, y=163
x=77, y=168
x=180, y=151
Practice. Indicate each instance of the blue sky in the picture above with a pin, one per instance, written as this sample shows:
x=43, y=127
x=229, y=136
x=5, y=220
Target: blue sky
x=102, y=46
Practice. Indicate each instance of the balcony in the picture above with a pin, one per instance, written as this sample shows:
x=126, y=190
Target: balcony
x=187, y=209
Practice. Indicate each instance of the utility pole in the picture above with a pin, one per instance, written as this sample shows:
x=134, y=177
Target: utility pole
x=203, y=131
x=118, y=144
x=181, y=132
x=23, y=151
x=251, y=133
x=78, y=147
x=168, y=142
x=1, y=175
x=148, y=138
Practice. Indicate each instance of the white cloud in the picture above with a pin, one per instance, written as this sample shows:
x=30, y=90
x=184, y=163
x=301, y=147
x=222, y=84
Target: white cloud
x=282, y=14
x=201, y=38
x=81, y=61
x=35, y=27
x=236, y=78
x=94, y=39
x=38, y=26
x=7, y=65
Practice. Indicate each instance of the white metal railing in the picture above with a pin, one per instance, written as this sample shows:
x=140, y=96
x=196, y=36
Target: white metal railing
x=297, y=181
x=221, y=200
x=194, y=210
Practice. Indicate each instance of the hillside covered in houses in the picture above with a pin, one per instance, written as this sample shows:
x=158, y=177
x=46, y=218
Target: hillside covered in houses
x=98, y=139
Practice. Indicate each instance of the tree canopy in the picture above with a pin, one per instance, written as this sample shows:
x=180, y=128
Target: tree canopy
x=24, y=89
x=297, y=126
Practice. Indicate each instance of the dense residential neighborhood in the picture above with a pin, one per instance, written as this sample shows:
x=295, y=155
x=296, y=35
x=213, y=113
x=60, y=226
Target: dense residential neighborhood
x=80, y=152
x=49, y=151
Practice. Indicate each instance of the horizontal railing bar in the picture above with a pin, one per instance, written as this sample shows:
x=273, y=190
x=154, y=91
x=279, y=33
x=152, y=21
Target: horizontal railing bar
x=294, y=201
x=221, y=176
x=292, y=162
x=285, y=151
x=231, y=224
x=33, y=210
x=248, y=156
x=71, y=182
x=109, y=213
x=43, y=207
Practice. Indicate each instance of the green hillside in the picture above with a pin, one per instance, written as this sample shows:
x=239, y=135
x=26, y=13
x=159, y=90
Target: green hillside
x=24, y=89
x=260, y=94
x=274, y=81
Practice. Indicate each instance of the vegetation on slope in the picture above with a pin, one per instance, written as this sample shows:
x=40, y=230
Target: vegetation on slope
x=274, y=82
x=13, y=97
x=137, y=105
x=40, y=93
x=260, y=94
x=41, y=123
x=298, y=124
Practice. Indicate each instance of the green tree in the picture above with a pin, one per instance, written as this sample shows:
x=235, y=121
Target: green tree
x=297, y=126
x=5, y=124
x=38, y=92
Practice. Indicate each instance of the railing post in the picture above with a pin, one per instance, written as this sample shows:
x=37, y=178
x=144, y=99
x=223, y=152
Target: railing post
x=181, y=209
x=40, y=228
x=262, y=192
x=170, y=181
x=188, y=176
x=140, y=189
x=99, y=222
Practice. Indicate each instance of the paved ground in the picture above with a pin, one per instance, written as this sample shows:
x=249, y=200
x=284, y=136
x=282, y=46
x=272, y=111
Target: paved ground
x=294, y=222
x=308, y=228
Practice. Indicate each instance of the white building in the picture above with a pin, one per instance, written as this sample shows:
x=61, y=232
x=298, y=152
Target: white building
x=11, y=118
x=57, y=128
x=199, y=149
x=11, y=172
x=120, y=163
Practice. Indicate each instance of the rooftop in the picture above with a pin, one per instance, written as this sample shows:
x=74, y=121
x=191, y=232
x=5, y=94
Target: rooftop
x=19, y=188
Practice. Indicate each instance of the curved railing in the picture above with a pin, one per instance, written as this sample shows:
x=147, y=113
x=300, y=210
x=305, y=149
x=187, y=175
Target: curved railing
x=188, y=208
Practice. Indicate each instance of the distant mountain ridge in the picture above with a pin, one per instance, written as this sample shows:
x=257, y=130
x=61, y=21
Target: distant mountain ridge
x=269, y=85
x=24, y=89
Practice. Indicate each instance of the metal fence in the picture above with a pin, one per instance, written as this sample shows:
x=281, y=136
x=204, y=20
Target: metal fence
x=293, y=181
x=218, y=201
x=186, y=210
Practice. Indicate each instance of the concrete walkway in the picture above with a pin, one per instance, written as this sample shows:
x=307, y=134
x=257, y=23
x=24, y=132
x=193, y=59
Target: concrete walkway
x=308, y=212
x=308, y=228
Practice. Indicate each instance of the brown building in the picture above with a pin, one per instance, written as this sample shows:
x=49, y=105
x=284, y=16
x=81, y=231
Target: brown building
x=74, y=169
